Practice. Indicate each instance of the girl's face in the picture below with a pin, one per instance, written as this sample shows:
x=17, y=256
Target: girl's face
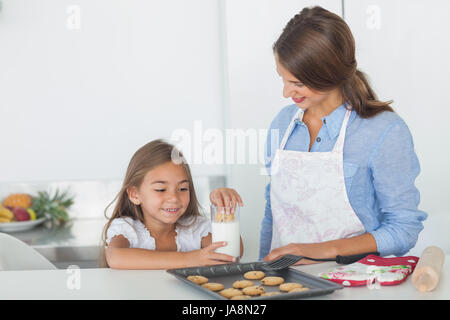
x=302, y=96
x=163, y=194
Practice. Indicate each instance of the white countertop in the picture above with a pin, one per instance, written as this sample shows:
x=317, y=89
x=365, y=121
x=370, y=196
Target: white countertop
x=159, y=285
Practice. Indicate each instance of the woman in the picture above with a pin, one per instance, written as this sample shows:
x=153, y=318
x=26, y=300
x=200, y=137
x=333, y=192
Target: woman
x=342, y=175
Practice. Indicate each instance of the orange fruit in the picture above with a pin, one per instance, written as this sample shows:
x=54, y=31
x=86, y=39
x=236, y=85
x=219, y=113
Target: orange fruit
x=18, y=200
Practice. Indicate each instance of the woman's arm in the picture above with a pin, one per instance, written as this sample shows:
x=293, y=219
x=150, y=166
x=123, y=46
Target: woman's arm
x=265, y=239
x=120, y=256
x=394, y=166
x=328, y=249
x=278, y=125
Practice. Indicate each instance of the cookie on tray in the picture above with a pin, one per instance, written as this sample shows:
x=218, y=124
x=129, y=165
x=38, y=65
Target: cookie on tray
x=213, y=286
x=254, y=275
x=230, y=293
x=253, y=290
x=241, y=284
x=272, y=281
x=241, y=297
x=269, y=294
x=299, y=289
x=286, y=287
x=197, y=279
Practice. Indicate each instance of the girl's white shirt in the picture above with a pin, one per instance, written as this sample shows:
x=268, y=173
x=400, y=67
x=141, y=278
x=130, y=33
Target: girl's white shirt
x=188, y=236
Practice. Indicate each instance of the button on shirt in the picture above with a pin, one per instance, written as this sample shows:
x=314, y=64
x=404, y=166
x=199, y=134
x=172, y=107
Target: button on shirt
x=380, y=168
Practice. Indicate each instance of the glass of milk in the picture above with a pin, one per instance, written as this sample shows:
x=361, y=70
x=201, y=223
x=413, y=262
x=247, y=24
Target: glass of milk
x=225, y=227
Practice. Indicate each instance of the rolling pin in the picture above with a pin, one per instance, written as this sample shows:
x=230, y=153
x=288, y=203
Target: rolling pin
x=428, y=270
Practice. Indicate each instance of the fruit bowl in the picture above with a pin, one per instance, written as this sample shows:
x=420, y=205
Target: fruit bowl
x=20, y=211
x=20, y=225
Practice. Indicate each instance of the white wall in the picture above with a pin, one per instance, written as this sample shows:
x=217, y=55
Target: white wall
x=403, y=46
x=85, y=83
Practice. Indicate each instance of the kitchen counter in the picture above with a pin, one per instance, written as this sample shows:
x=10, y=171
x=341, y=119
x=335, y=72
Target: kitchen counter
x=102, y=283
x=76, y=242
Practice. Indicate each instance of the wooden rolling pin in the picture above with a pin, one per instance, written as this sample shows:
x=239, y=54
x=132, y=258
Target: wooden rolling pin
x=428, y=270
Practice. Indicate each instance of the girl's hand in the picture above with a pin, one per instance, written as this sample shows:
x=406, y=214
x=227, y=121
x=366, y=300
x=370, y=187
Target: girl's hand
x=207, y=256
x=223, y=197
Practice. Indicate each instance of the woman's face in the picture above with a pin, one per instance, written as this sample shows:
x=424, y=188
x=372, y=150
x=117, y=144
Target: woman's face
x=163, y=194
x=304, y=97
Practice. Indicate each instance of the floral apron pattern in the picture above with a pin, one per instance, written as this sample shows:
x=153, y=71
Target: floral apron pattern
x=308, y=195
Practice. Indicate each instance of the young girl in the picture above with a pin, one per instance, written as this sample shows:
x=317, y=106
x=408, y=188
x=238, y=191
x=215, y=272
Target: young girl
x=156, y=223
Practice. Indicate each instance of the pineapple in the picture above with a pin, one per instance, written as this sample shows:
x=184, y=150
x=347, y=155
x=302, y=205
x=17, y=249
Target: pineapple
x=54, y=205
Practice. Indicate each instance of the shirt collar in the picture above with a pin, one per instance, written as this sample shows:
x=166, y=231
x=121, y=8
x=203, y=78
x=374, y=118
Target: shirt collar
x=333, y=121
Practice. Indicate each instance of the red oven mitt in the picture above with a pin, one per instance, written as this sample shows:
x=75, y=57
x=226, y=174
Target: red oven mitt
x=385, y=271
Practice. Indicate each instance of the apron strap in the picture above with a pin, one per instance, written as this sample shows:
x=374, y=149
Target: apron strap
x=298, y=116
x=339, y=145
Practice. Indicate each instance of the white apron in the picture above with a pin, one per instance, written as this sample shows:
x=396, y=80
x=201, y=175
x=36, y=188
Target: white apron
x=308, y=196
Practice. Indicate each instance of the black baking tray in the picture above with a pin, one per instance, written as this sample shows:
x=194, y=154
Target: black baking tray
x=229, y=273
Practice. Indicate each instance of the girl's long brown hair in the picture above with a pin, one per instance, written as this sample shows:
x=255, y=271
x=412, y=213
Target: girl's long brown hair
x=149, y=156
x=318, y=48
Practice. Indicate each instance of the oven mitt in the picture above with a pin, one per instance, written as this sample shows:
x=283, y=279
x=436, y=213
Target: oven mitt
x=386, y=271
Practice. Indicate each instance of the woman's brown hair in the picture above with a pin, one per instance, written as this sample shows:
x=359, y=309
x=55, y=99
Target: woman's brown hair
x=149, y=156
x=318, y=48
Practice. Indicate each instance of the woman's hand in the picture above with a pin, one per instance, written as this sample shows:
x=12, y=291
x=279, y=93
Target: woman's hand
x=312, y=250
x=208, y=256
x=223, y=197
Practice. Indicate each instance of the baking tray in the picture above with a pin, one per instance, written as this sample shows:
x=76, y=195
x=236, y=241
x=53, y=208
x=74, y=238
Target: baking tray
x=228, y=273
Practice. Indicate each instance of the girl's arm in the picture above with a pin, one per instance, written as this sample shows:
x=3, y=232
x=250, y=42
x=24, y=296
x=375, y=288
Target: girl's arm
x=119, y=255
